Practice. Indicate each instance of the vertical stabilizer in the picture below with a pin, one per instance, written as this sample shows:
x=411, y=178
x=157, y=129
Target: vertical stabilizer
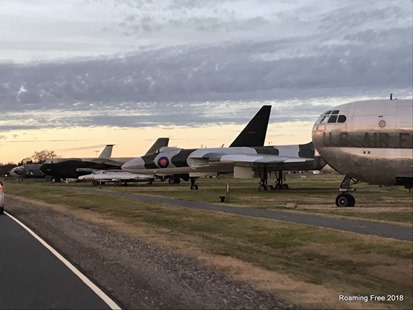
x=160, y=142
x=254, y=133
x=107, y=152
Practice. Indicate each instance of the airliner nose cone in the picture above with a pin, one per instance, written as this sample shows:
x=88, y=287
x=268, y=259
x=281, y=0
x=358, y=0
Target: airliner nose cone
x=133, y=165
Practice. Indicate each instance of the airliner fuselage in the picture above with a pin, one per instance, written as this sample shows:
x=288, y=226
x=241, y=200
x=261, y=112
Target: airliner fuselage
x=371, y=141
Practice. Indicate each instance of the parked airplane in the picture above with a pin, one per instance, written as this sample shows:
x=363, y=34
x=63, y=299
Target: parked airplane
x=63, y=168
x=27, y=171
x=252, y=135
x=369, y=141
x=246, y=157
x=115, y=176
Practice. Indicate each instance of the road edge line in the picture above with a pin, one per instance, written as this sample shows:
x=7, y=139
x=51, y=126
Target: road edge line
x=69, y=265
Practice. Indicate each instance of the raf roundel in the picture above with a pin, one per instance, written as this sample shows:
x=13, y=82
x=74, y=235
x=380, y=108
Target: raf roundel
x=163, y=162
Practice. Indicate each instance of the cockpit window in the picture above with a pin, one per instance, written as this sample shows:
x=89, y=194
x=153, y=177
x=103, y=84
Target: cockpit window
x=341, y=118
x=323, y=118
x=331, y=117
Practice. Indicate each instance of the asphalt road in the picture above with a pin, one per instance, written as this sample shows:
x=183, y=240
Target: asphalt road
x=352, y=225
x=31, y=277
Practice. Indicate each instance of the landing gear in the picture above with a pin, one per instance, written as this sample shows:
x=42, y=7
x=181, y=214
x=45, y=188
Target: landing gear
x=174, y=180
x=344, y=199
x=279, y=182
x=193, y=186
x=264, y=180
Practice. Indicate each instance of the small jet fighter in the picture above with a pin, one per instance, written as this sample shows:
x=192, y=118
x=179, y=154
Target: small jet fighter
x=369, y=141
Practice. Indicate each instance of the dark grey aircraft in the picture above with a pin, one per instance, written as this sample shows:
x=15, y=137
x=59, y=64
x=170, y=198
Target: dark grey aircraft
x=27, y=171
x=246, y=157
x=369, y=141
x=65, y=168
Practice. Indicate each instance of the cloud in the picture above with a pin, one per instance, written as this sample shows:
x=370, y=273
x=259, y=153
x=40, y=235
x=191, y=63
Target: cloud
x=192, y=58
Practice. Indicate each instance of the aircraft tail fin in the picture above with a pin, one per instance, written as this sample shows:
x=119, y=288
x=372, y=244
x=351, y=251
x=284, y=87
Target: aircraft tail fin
x=255, y=131
x=160, y=142
x=107, y=152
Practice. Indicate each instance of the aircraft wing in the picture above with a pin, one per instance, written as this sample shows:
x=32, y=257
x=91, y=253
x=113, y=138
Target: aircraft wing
x=271, y=162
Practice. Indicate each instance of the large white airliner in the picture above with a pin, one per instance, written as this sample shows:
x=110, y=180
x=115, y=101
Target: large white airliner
x=369, y=141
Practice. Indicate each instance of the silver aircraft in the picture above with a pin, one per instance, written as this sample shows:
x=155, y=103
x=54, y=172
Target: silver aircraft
x=244, y=159
x=369, y=141
x=118, y=177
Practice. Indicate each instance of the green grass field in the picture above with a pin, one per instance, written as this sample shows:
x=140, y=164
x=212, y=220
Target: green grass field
x=335, y=260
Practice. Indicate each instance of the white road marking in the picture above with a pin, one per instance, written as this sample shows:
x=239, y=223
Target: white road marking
x=69, y=265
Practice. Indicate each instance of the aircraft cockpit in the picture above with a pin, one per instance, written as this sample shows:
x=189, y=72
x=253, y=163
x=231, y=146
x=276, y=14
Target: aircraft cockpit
x=331, y=117
x=166, y=149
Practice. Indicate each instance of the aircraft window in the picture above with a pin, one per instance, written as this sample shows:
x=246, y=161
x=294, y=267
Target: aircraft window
x=342, y=118
x=335, y=112
x=323, y=117
x=332, y=119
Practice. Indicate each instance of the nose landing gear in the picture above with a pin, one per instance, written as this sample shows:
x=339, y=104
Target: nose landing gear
x=344, y=199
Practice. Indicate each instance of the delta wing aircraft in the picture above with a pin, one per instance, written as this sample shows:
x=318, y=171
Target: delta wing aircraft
x=65, y=168
x=369, y=141
x=116, y=176
x=246, y=157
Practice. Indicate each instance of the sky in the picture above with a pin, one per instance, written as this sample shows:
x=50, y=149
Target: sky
x=78, y=74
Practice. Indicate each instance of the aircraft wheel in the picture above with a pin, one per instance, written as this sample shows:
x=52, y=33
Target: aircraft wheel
x=194, y=187
x=277, y=186
x=284, y=186
x=262, y=188
x=177, y=181
x=270, y=188
x=345, y=200
x=172, y=181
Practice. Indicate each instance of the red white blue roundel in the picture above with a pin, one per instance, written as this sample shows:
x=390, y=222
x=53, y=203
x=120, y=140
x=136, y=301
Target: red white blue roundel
x=163, y=162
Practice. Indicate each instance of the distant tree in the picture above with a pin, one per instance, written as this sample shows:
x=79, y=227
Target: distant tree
x=25, y=161
x=42, y=156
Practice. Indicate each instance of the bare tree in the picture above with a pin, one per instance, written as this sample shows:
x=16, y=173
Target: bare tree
x=42, y=156
x=25, y=161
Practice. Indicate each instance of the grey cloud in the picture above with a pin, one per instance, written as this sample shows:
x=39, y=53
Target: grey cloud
x=224, y=72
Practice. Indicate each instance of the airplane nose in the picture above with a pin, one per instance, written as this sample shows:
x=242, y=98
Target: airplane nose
x=134, y=164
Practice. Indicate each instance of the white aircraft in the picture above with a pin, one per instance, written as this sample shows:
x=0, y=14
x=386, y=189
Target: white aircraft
x=117, y=177
x=369, y=141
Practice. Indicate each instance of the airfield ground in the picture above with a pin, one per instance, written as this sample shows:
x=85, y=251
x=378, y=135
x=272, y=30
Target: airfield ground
x=307, y=266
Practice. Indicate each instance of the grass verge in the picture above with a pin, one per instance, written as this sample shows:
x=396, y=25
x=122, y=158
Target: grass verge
x=337, y=261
